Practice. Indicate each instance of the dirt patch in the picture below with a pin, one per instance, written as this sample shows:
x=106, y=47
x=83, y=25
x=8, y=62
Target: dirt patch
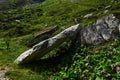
x=2, y=74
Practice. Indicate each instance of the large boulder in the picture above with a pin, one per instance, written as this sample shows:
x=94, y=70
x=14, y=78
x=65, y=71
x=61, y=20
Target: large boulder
x=40, y=49
x=103, y=30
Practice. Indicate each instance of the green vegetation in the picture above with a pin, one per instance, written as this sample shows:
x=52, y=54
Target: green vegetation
x=18, y=26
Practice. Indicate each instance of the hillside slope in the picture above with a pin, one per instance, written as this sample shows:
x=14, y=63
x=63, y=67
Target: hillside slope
x=19, y=26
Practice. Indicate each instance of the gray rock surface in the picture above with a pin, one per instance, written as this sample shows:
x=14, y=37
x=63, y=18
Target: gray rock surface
x=46, y=32
x=40, y=49
x=119, y=27
x=107, y=7
x=103, y=30
x=88, y=15
x=106, y=11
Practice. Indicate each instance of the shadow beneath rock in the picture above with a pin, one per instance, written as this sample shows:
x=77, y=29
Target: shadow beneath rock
x=53, y=64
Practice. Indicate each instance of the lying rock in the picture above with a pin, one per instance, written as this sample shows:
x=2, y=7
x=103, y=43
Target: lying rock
x=46, y=32
x=42, y=48
x=42, y=35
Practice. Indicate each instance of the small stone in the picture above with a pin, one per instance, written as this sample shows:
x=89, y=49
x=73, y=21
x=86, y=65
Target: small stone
x=107, y=7
x=88, y=15
x=106, y=11
x=119, y=27
x=117, y=66
x=17, y=20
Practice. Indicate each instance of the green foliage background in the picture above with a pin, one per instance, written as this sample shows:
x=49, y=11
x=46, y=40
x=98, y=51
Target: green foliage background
x=21, y=20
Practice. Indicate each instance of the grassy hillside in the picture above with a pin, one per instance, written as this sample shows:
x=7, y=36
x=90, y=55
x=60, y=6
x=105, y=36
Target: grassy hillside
x=19, y=26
